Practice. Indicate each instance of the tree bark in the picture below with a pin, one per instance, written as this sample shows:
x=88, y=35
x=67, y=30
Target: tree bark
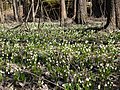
x=63, y=11
x=1, y=12
x=27, y=10
x=33, y=11
x=81, y=12
x=117, y=13
x=15, y=10
x=96, y=12
x=74, y=14
x=110, y=14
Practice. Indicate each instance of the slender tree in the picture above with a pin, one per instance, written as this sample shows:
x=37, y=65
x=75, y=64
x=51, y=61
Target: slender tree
x=15, y=10
x=63, y=11
x=1, y=11
x=33, y=10
x=27, y=10
x=30, y=9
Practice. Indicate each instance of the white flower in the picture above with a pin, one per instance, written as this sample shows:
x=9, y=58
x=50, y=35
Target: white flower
x=1, y=72
x=105, y=84
x=87, y=79
x=98, y=86
x=101, y=64
x=86, y=41
x=107, y=65
x=90, y=84
x=75, y=75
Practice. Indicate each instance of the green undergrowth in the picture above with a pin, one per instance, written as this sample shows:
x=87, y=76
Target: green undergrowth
x=59, y=58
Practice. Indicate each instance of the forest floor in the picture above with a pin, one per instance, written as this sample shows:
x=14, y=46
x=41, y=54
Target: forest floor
x=55, y=58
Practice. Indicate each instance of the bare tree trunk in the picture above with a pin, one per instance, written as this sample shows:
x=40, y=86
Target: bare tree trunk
x=15, y=10
x=96, y=12
x=1, y=12
x=110, y=14
x=41, y=12
x=25, y=9
x=63, y=11
x=81, y=12
x=74, y=14
x=89, y=8
x=110, y=24
x=64, y=19
x=117, y=13
x=33, y=12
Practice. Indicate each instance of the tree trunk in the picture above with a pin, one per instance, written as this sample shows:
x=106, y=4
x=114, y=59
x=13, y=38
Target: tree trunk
x=15, y=10
x=74, y=14
x=1, y=11
x=81, y=12
x=27, y=9
x=110, y=14
x=117, y=13
x=33, y=11
x=96, y=12
x=63, y=11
